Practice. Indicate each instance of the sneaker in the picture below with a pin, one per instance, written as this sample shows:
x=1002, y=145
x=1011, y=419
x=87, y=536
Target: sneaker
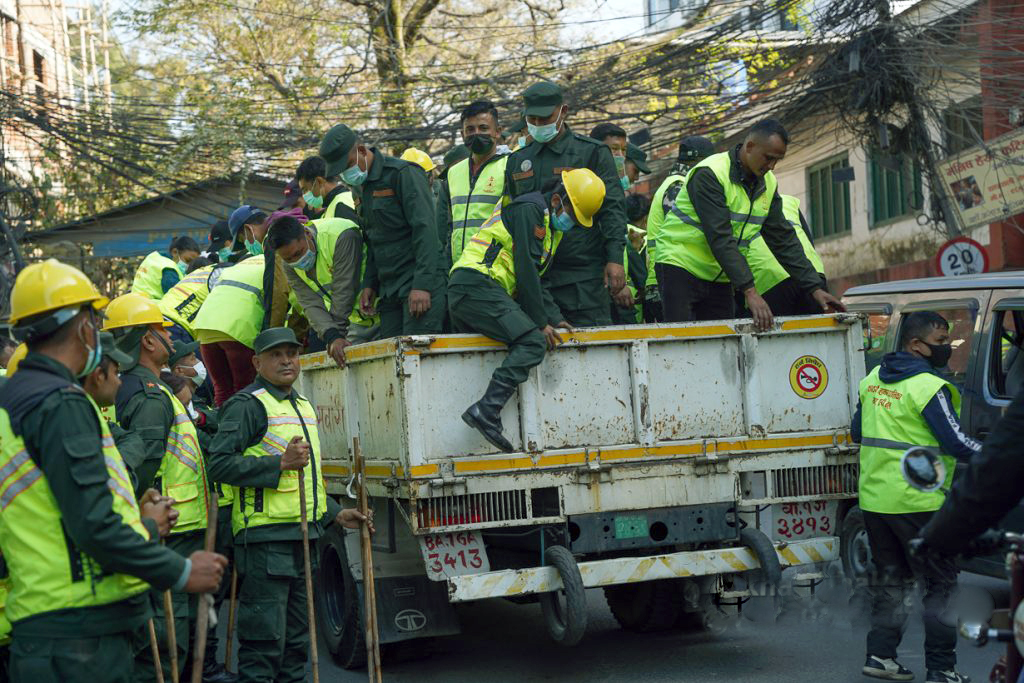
x=951, y=676
x=887, y=669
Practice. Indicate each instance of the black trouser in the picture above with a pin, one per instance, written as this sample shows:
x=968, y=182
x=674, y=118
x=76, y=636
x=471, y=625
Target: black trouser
x=787, y=298
x=892, y=580
x=685, y=297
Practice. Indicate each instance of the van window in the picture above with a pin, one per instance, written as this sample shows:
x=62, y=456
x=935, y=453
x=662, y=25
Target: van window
x=1006, y=375
x=961, y=321
x=876, y=338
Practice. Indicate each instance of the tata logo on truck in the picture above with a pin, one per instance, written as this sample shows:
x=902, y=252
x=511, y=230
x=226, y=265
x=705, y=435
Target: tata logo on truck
x=410, y=620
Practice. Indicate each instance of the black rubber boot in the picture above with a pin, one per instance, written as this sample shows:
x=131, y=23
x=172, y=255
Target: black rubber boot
x=215, y=673
x=485, y=415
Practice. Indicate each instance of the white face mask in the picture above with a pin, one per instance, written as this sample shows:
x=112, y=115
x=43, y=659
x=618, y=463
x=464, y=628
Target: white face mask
x=192, y=412
x=200, y=373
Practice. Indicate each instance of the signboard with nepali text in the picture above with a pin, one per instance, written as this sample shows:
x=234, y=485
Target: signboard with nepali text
x=986, y=183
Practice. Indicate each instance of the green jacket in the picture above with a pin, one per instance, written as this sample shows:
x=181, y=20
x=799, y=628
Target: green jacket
x=145, y=410
x=396, y=209
x=243, y=423
x=78, y=480
x=582, y=254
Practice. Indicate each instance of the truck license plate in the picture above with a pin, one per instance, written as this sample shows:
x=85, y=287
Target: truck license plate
x=453, y=554
x=804, y=520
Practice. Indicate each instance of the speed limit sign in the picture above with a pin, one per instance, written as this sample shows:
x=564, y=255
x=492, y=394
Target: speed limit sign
x=961, y=256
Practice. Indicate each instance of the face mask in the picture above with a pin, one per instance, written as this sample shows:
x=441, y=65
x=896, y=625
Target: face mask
x=504, y=149
x=353, y=175
x=624, y=181
x=254, y=248
x=95, y=354
x=305, y=262
x=312, y=201
x=224, y=254
x=940, y=354
x=544, y=133
x=200, y=373
x=481, y=143
x=521, y=141
x=562, y=221
x=182, y=267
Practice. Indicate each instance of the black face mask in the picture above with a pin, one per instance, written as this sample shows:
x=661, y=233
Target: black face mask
x=480, y=143
x=940, y=354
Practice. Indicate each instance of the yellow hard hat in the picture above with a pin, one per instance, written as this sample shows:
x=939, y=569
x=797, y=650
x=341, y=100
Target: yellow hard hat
x=51, y=286
x=17, y=356
x=133, y=310
x=586, y=192
x=420, y=158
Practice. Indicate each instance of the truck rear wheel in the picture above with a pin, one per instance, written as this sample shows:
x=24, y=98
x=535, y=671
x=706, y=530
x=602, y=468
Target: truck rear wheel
x=647, y=606
x=853, y=545
x=338, y=603
x=565, y=611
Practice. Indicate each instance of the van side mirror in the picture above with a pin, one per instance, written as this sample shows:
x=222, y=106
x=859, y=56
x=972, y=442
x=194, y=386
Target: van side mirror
x=923, y=469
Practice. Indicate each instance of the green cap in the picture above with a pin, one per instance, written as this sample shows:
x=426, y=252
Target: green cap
x=455, y=155
x=109, y=349
x=335, y=146
x=275, y=336
x=542, y=99
x=181, y=349
x=638, y=157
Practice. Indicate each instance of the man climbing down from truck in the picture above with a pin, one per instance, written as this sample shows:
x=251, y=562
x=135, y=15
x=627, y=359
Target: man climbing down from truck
x=904, y=403
x=495, y=289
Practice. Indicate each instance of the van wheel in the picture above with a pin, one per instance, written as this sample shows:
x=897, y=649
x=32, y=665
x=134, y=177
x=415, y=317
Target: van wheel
x=853, y=545
x=339, y=606
x=647, y=606
x=565, y=610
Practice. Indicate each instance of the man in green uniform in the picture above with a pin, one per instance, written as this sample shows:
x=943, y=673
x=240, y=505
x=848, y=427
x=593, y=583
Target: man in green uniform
x=404, y=265
x=80, y=555
x=321, y=191
x=728, y=200
x=472, y=187
x=614, y=137
x=636, y=164
x=905, y=402
x=496, y=286
x=267, y=446
x=173, y=464
x=589, y=264
x=635, y=261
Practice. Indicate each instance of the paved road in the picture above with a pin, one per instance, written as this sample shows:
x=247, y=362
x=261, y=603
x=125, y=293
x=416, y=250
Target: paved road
x=506, y=643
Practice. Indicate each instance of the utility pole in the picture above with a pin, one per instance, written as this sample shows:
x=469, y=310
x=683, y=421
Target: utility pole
x=92, y=46
x=83, y=58
x=67, y=52
x=107, y=89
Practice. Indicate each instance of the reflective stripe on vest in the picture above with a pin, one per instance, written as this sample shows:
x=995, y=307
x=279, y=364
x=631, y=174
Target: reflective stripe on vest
x=489, y=252
x=235, y=305
x=149, y=276
x=182, y=302
x=767, y=270
x=891, y=422
x=263, y=507
x=680, y=240
x=182, y=471
x=47, y=571
x=328, y=230
x=472, y=204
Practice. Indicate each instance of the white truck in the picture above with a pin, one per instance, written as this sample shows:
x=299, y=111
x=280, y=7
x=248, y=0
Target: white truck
x=667, y=464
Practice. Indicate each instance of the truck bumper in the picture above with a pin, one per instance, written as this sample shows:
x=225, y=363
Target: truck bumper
x=509, y=582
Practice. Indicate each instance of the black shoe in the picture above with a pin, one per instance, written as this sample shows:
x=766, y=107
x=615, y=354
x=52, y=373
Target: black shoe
x=951, y=676
x=886, y=669
x=485, y=415
x=218, y=674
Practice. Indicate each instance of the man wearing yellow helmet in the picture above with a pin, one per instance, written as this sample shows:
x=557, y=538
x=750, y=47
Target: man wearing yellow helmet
x=173, y=463
x=496, y=290
x=80, y=555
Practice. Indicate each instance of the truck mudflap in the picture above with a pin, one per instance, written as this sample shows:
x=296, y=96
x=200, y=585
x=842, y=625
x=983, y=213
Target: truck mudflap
x=623, y=570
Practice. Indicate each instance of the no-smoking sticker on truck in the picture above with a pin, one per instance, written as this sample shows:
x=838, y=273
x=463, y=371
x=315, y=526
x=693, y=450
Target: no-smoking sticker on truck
x=808, y=376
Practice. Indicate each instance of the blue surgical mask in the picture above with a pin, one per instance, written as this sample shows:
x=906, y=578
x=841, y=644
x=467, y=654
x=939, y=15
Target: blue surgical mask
x=182, y=267
x=545, y=133
x=563, y=222
x=254, y=248
x=624, y=181
x=522, y=141
x=224, y=254
x=312, y=201
x=95, y=356
x=305, y=262
x=353, y=175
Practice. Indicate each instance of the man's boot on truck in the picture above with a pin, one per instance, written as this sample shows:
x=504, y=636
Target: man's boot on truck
x=485, y=415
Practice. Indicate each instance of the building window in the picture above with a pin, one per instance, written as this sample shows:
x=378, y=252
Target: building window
x=829, y=200
x=895, y=187
x=962, y=126
x=769, y=16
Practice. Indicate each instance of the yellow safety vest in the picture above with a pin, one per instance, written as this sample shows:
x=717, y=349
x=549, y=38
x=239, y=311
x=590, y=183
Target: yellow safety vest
x=344, y=197
x=235, y=304
x=891, y=422
x=263, y=507
x=182, y=472
x=328, y=230
x=43, y=577
x=150, y=273
x=680, y=240
x=497, y=263
x=655, y=217
x=766, y=269
x=473, y=203
x=5, y=623
x=182, y=302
